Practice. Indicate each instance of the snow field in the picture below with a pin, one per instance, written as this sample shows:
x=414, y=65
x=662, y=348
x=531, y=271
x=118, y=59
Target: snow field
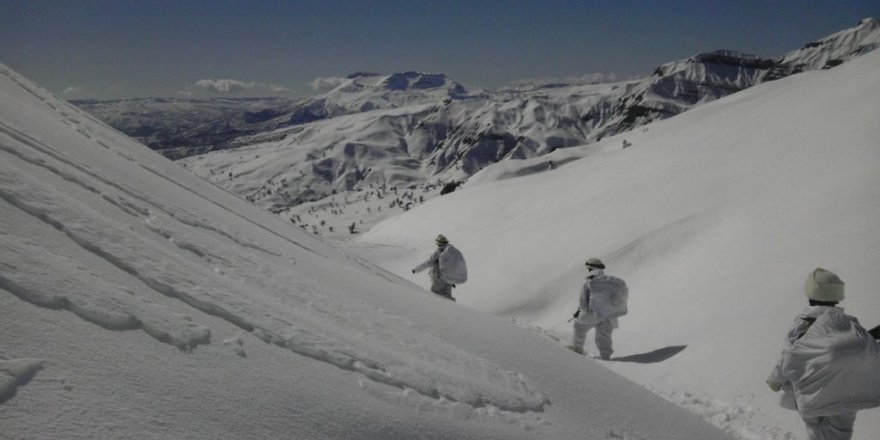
x=713, y=218
x=160, y=306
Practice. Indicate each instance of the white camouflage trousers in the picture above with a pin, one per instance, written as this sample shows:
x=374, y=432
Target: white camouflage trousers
x=603, y=336
x=439, y=286
x=839, y=427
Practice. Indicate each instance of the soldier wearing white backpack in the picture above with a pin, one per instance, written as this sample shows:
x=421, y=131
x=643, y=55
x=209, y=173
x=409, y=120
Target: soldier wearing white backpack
x=602, y=300
x=830, y=366
x=448, y=268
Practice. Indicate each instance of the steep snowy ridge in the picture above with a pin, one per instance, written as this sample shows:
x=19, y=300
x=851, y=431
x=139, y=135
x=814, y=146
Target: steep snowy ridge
x=198, y=286
x=836, y=48
x=140, y=301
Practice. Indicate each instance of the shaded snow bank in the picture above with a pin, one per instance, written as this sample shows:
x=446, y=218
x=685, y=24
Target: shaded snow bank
x=15, y=373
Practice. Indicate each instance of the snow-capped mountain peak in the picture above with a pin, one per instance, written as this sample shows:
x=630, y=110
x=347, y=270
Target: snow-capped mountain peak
x=361, y=82
x=364, y=91
x=419, y=81
x=836, y=48
x=411, y=130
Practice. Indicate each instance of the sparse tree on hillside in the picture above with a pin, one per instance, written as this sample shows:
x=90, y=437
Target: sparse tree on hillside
x=450, y=187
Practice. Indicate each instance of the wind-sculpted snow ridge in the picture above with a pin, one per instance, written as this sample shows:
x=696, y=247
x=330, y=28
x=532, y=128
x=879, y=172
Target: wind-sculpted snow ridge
x=166, y=270
x=15, y=373
x=321, y=327
x=35, y=275
x=65, y=162
x=736, y=418
x=406, y=359
x=409, y=398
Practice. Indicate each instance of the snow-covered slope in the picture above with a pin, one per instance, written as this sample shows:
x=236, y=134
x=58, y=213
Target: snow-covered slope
x=714, y=218
x=836, y=48
x=139, y=301
x=419, y=138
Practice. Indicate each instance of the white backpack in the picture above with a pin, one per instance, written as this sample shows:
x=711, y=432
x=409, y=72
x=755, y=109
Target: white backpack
x=834, y=367
x=608, y=296
x=453, y=268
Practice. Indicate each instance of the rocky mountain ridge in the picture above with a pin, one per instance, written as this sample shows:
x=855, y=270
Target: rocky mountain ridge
x=410, y=129
x=180, y=127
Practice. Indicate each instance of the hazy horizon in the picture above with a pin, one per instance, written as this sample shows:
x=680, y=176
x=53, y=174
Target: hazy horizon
x=125, y=49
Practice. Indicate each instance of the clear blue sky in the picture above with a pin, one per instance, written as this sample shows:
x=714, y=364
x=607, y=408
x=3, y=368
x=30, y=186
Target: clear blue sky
x=135, y=48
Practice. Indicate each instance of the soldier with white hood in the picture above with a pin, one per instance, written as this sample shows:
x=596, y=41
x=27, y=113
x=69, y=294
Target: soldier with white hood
x=830, y=366
x=602, y=300
x=447, y=266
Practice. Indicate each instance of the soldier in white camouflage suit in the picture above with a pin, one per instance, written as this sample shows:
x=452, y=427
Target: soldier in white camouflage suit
x=447, y=268
x=830, y=366
x=587, y=317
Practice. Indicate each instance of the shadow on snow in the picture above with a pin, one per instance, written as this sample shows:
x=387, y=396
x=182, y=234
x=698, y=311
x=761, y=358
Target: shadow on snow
x=652, y=357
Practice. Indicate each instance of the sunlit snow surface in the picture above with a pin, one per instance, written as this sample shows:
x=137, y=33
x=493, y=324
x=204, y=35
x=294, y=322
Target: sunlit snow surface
x=139, y=301
x=714, y=218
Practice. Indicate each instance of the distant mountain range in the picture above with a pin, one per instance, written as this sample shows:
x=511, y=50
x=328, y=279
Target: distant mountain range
x=409, y=128
x=180, y=127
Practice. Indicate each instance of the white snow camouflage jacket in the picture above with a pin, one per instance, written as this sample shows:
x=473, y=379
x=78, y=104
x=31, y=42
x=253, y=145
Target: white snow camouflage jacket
x=453, y=269
x=603, y=297
x=830, y=364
